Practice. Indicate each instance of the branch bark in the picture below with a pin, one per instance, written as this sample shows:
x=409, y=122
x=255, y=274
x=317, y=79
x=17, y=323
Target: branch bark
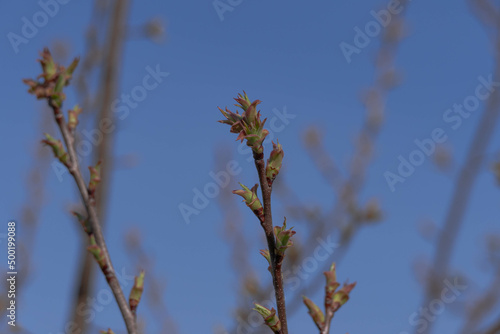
x=276, y=259
x=69, y=140
x=328, y=322
x=494, y=329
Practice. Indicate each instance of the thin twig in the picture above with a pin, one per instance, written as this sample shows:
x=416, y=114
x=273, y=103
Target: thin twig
x=94, y=220
x=482, y=306
x=463, y=190
x=493, y=329
x=276, y=260
x=328, y=322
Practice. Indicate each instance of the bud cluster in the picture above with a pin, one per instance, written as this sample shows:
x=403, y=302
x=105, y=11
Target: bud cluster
x=333, y=299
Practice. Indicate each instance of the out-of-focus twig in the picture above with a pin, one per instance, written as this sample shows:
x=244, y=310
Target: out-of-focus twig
x=483, y=306
x=54, y=78
x=467, y=175
x=111, y=62
x=348, y=214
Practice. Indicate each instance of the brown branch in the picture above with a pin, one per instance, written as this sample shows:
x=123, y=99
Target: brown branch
x=482, y=306
x=94, y=220
x=328, y=322
x=276, y=260
x=109, y=87
x=494, y=329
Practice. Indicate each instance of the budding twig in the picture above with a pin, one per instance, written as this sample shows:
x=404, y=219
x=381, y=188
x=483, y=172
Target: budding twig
x=55, y=78
x=249, y=127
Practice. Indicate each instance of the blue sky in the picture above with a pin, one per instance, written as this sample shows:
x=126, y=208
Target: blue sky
x=286, y=54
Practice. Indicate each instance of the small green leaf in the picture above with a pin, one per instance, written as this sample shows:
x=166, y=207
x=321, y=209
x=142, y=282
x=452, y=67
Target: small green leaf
x=274, y=163
x=73, y=117
x=252, y=200
x=342, y=296
x=57, y=148
x=248, y=125
x=243, y=101
x=136, y=293
x=270, y=317
x=49, y=67
x=84, y=222
x=71, y=68
x=95, y=178
x=283, y=237
x=315, y=313
x=60, y=83
x=97, y=252
x=267, y=256
x=331, y=279
x=334, y=300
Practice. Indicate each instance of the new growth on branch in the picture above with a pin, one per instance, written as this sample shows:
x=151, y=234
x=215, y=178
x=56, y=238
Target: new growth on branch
x=249, y=126
x=49, y=86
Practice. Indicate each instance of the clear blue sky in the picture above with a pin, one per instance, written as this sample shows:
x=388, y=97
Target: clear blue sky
x=285, y=53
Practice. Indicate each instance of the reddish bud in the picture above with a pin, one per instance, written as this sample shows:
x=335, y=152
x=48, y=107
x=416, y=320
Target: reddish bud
x=248, y=125
x=315, y=313
x=252, y=200
x=73, y=117
x=283, y=237
x=274, y=163
x=270, y=317
x=58, y=149
x=267, y=256
x=95, y=178
x=136, y=293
